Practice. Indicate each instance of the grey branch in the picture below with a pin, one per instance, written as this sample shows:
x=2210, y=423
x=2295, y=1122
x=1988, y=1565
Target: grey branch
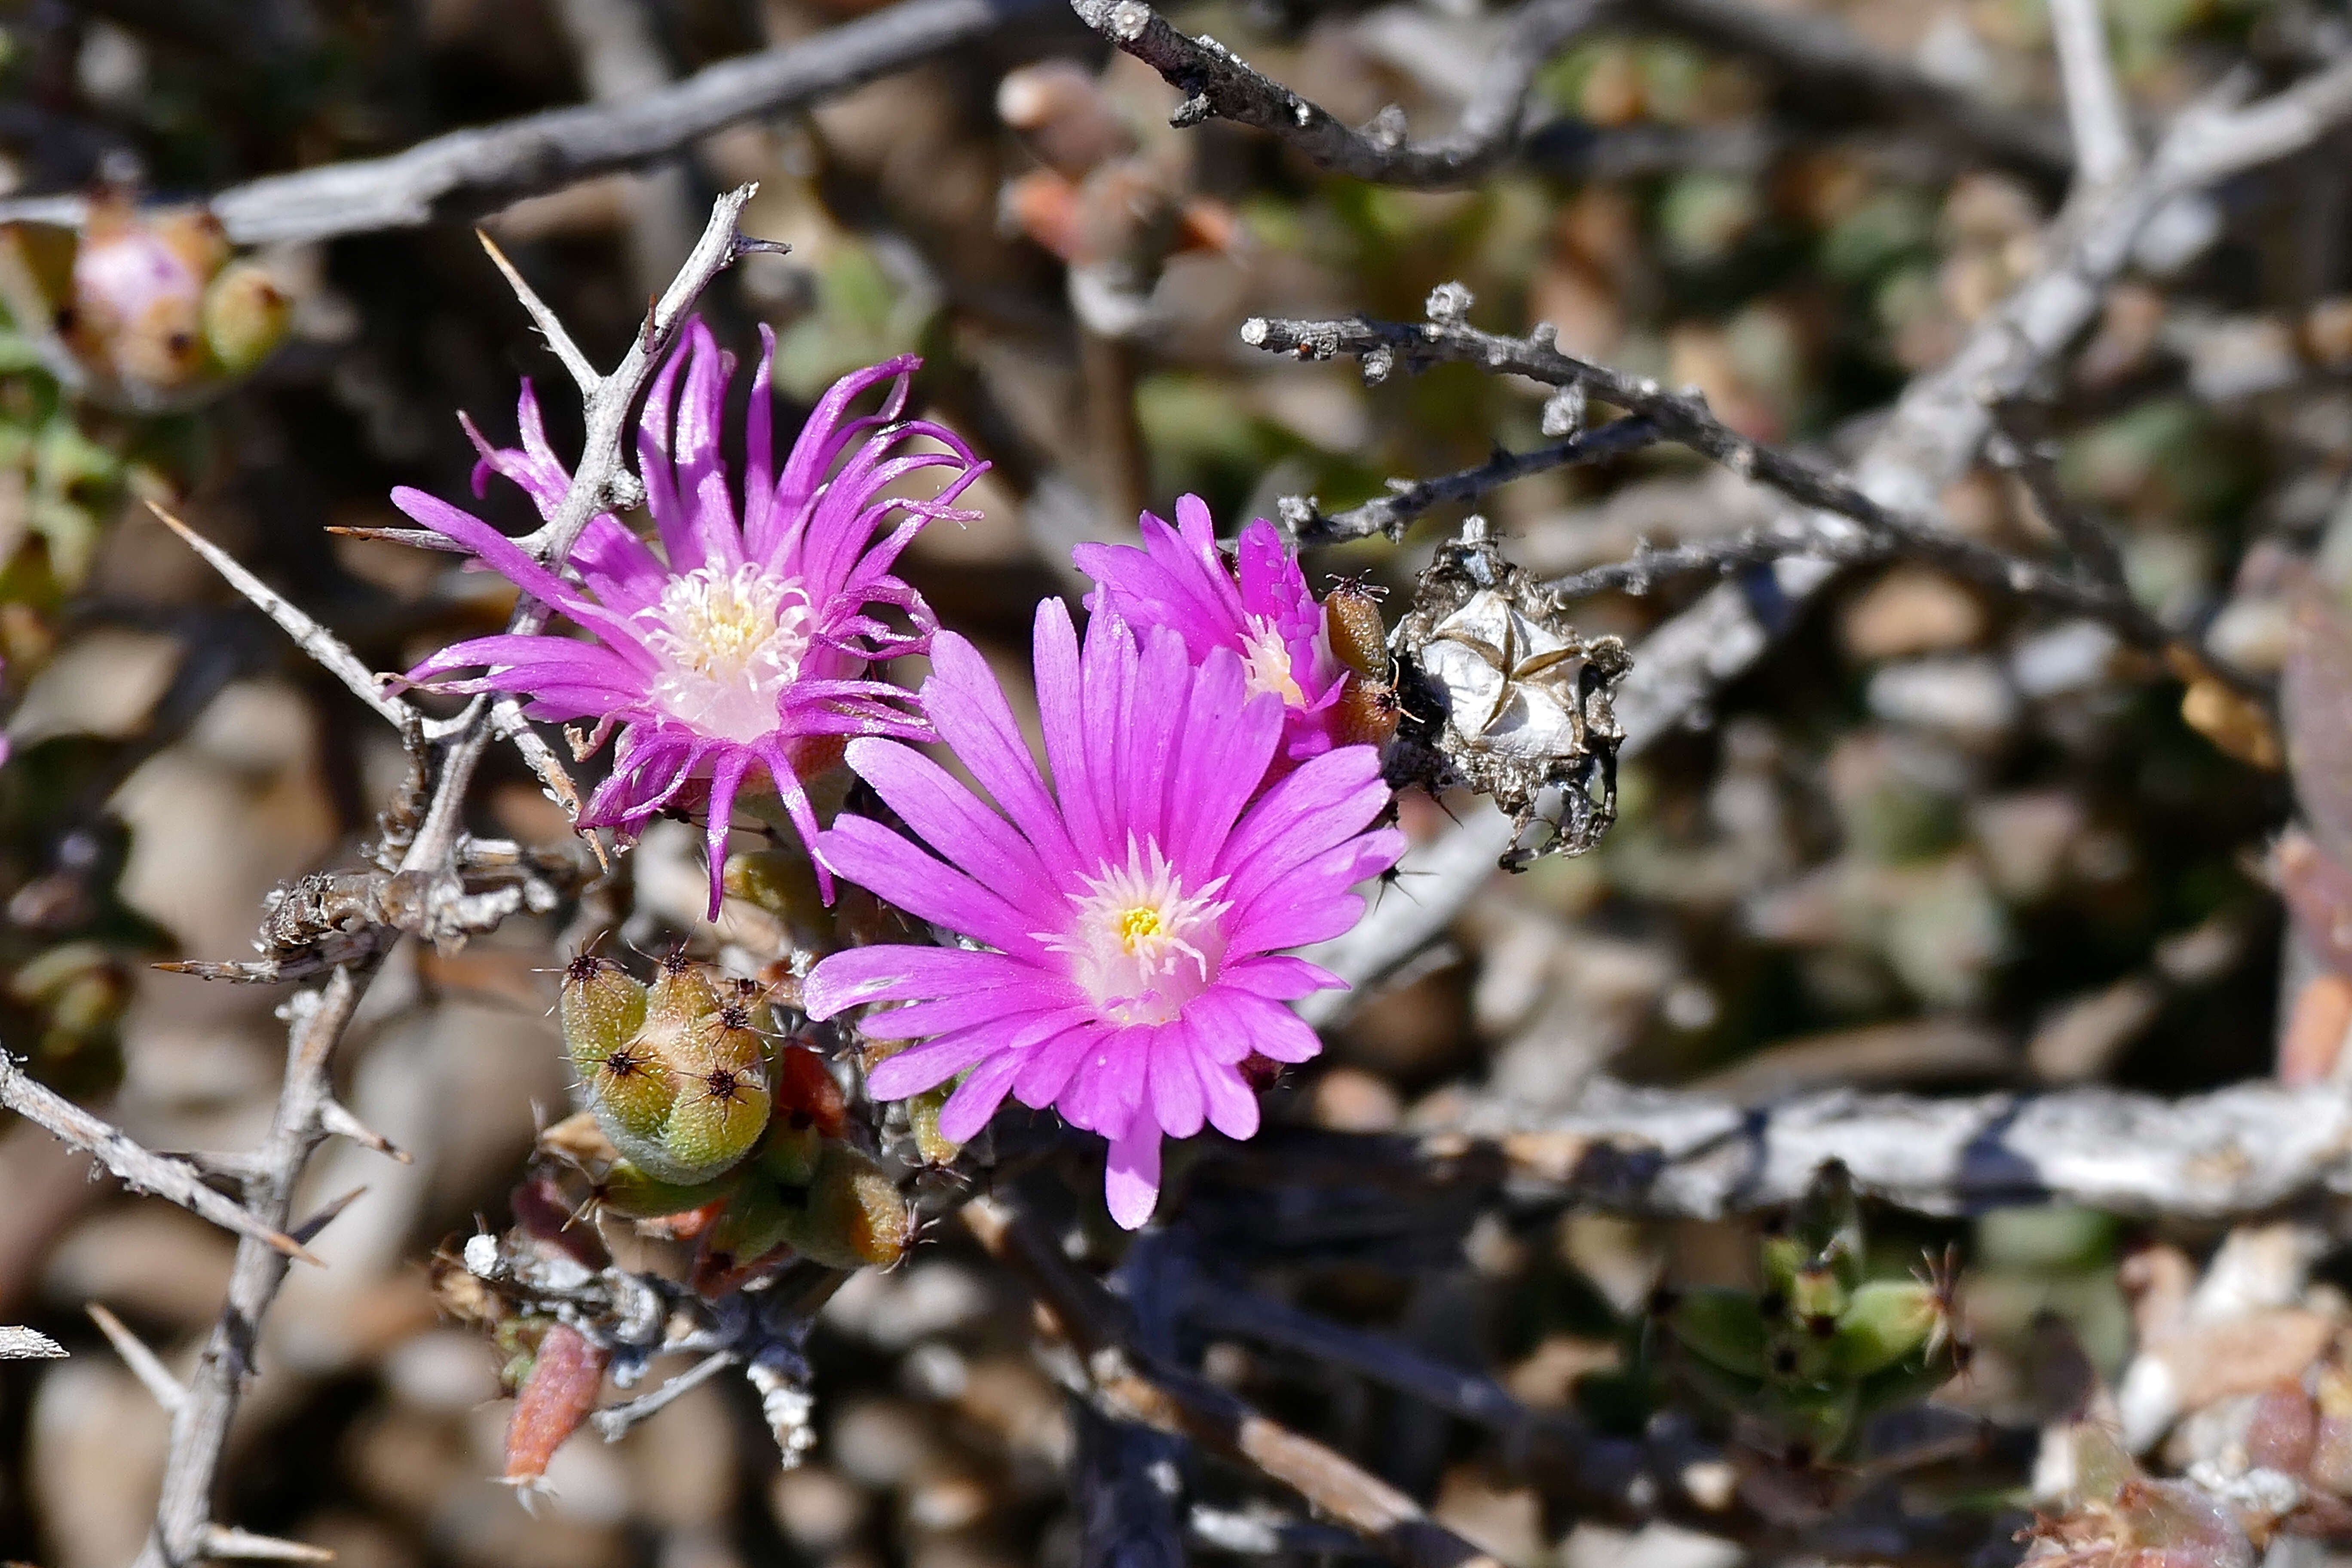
x=1391, y=513
x=1933, y=433
x=140, y=1167
x=184, y=1529
x=1827, y=60
x=2103, y=152
x=467, y=173
x=24, y=1344
x=2238, y=1150
x=1217, y=83
x=1838, y=522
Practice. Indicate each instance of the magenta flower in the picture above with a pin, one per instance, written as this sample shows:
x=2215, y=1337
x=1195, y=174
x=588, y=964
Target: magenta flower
x=1136, y=907
x=745, y=645
x=1268, y=616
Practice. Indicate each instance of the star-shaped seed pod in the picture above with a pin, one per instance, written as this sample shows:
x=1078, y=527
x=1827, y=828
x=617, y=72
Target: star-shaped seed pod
x=1502, y=697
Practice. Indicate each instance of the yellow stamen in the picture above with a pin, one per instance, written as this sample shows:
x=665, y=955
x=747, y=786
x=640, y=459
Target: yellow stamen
x=1137, y=924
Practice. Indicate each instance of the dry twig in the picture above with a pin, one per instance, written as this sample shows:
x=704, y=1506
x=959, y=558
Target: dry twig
x=470, y=172
x=1932, y=432
x=1217, y=84
x=2236, y=1152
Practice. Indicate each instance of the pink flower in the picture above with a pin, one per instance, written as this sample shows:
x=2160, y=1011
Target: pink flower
x=1136, y=907
x=745, y=645
x=1269, y=617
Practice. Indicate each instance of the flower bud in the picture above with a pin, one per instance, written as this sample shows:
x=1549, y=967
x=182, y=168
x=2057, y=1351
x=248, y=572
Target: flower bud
x=791, y=1156
x=556, y=1397
x=1351, y=616
x=756, y=1223
x=923, y=1113
x=626, y=1190
x=245, y=315
x=601, y=1009
x=806, y=1095
x=1886, y=1321
x=854, y=1215
x=1369, y=712
x=1723, y=1325
x=780, y=881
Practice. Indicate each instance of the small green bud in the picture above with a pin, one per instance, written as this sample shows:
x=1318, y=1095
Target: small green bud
x=757, y=1222
x=1723, y=1325
x=1815, y=1292
x=244, y=316
x=718, y=1115
x=601, y=1009
x=854, y=1215
x=680, y=1008
x=791, y=1155
x=923, y=1112
x=629, y=1191
x=1886, y=1321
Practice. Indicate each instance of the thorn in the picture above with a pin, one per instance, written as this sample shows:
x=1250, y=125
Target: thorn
x=328, y=650
x=227, y=1540
x=415, y=538
x=747, y=245
x=326, y=1216
x=144, y=1364
x=335, y=1118
x=559, y=341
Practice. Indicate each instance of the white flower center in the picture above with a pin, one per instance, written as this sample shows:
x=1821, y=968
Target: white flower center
x=730, y=643
x=1266, y=663
x=1140, y=946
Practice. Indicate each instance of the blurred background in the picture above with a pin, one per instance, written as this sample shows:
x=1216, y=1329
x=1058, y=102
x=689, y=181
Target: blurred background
x=1935, y=840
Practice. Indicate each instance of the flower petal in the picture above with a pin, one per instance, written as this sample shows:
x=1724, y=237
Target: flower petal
x=1131, y=1172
